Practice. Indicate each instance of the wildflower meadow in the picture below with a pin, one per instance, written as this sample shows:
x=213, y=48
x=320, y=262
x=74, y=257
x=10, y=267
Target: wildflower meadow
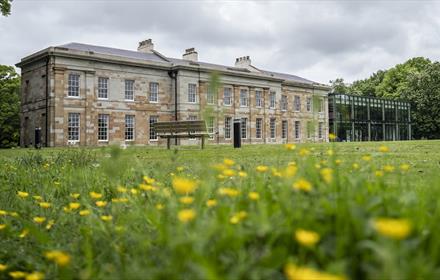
x=305, y=211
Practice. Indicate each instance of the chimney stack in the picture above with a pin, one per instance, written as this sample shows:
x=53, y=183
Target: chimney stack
x=191, y=54
x=243, y=62
x=146, y=46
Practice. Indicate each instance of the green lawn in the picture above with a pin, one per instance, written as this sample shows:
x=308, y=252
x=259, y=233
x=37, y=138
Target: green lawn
x=312, y=214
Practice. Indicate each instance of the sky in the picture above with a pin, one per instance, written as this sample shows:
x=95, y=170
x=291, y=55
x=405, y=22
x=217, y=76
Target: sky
x=317, y=40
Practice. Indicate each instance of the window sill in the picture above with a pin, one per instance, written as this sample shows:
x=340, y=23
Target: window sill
x=103, y=141
x=129, y=100
x=153, y=102
x=153, y=140
x=102, y=98
x=227, y=105
x=73, y=97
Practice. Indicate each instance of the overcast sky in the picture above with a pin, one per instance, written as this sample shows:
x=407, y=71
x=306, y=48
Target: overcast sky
x=318, y=40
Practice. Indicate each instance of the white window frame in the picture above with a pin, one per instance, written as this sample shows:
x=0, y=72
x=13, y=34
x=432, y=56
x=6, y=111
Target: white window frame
x=130, y=123
x=210, y=127
x=153, y=94
x=102, y=88
x=309, y=126
x=309, y=104
x=321, y=105
x=297, y=103
x=192, y=93
x=244, y=98
x=152, y=135
x=272, y=100
x=284, y=129
x=258, y=98
x=273, y=128
x=103, y=124
x=192, y=118
x=225, y=97
x=73, y=127
x=228, y=127
x=320, y=130
x=243, y=128
x=297, y=130
x=284, y=102
x=129, y=90
x=259, y=128
x=210, y=96
x=73, y=85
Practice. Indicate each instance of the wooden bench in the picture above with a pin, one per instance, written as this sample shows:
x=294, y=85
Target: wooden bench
x=181, y=129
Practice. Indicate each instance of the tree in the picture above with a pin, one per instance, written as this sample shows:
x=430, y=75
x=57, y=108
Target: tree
x=9, y=107
x=338, y=86
x=395, y=80
x=423, y=91
x=368, y=87
x=5, y=7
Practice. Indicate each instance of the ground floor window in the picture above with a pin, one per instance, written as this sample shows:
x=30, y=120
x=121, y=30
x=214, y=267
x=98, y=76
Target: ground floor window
x=258, y=128
x=153, y=135
x=297, y=129
x=320, y=129
x=272, y=128
x=73, y=124
x=284, y=129
x=129, y=127
x=192, y=118
x=309, y=129
x=244, y=128
x=103, y=121
x=228, y=122
x=210, y=127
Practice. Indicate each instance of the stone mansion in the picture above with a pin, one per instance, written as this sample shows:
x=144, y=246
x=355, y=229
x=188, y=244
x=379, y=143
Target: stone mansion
x=85, y=95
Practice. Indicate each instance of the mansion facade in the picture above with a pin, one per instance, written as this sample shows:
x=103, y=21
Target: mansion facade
x=82, y=95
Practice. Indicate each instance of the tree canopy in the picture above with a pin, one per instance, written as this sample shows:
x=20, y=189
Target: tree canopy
x=5, y=7
x=9, y=107
x=417, y=81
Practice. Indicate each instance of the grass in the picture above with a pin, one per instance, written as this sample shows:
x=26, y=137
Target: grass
x=311, y=214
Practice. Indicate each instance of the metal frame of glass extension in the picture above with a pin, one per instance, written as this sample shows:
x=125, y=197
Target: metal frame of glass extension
x=361, y=118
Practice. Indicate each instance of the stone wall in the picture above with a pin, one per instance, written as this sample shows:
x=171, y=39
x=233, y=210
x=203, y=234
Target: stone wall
x=89, y=106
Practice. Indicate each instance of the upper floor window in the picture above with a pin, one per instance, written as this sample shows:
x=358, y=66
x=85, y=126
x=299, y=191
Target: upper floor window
x=73, y=85
x=210, y=96
x=258, y=98
x=244, y=98
x=129, y=127
x=102, y=88
x=284, y=102
x=73, y=127
x=309, y=104
x=227, y=96
x=154, y=93
x=129, y=90
x=272, y=100
x=321, y=105
x=192, y=93
x=297, y=103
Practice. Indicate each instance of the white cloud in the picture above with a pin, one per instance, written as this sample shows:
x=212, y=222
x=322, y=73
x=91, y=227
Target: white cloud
x=319, y=40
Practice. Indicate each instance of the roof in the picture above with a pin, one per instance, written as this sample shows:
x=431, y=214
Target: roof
x=157, y=57
x=113, y=51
